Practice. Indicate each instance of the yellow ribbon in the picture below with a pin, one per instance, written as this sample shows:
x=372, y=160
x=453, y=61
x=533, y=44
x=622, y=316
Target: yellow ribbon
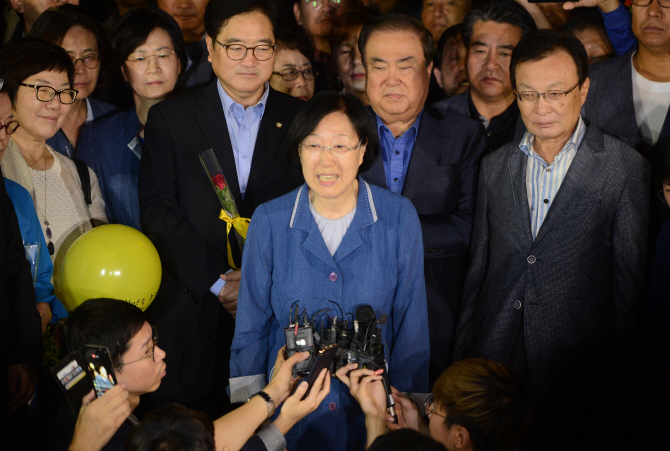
x=241, y=225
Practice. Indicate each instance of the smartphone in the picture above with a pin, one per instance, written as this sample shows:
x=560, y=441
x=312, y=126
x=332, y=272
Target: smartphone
x=99, y=366
x=73, y=379
x=323, y=360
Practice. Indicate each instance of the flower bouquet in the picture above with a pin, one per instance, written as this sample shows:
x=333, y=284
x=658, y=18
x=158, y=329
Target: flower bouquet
x=229, y=213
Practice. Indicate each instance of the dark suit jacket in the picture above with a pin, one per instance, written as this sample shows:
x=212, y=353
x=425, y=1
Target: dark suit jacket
x=609, y=105
x=579, y=285
x=179, y=212
x=459, y=104
x=441, y=180
x=20, y=324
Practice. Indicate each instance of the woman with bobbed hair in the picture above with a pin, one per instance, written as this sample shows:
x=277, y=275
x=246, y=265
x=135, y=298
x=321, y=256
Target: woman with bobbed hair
x=347, y=73
x=39, y=79
x=149, y=48
x=476, y=405
x=84, y=40
x=338, y=239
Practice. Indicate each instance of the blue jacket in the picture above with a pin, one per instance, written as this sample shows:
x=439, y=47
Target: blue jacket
x=379, y=262
x=31, y=232
x=113, y=150
x=61, y=144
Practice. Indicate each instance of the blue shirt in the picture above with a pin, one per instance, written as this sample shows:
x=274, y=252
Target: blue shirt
x=95, y=109
x=396, y=153
x=544, y=180
x=31, y=233
x=243, y=125
x=111, y=147
x=379, y=262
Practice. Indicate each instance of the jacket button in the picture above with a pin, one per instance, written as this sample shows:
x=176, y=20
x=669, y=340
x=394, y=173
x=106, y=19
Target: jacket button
x=517, y=304
x=332, y=406
x=332, y=277
x=531, y=259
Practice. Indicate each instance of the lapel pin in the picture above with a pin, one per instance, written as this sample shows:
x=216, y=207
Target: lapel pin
x=279, y=124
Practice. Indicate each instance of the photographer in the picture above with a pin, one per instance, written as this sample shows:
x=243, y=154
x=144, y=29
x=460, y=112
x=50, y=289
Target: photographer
x=139, y=368
x=476, y=404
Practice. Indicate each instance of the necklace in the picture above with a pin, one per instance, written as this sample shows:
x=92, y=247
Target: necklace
x=50, y=245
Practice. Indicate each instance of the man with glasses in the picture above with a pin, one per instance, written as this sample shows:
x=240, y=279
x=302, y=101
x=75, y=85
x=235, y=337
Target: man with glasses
x=556, y=279
x=244, y=121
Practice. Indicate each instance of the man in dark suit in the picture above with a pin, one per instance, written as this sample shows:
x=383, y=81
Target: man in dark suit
x=432, y=158
x=490, y=32
x=244, y=121
x=555, y=283
x=629, y=94
x=20, y=333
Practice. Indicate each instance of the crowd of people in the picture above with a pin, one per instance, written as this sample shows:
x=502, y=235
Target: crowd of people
x=490, y=177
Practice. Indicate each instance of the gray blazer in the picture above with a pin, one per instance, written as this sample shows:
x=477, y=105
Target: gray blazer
x=609, y=105
x=580, y=284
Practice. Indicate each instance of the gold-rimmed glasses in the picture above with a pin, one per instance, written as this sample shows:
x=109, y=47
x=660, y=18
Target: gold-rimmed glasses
x=313, y=149
x=429, y=407
x=154, y=340
x=140, y=61
x=551, y=96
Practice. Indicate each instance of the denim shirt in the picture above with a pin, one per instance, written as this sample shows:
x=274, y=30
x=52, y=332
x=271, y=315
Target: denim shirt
x=96, y=109
x=113, y=150
x=379, y=262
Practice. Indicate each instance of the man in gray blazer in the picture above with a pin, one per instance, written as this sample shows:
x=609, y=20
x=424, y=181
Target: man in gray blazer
x=555, y=283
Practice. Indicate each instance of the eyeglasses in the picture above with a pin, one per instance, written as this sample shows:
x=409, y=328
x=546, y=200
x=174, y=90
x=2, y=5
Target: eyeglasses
x=318, y=4
x=47, y=93
x=10, y=127
x=292, y=74
x=313, y=149
x=237, y=52
x=661, y=3
x=140, y=61
x=429, y=407
x=154, y=340
x=555, y=95
x=90, y=61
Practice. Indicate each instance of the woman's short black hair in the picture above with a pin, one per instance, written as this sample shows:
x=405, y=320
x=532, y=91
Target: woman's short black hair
x=104, y=322
x=539, y=44
x=321, y=105
x=54, y=23
x=26, y=57
x=173, y=428
x=135, y=28
x=405, y=440
x=295, y=39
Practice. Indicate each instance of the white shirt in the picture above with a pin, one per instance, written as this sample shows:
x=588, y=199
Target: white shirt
x=651, y=100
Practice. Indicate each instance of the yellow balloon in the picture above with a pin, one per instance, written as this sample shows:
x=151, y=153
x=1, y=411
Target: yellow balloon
x=111, y=261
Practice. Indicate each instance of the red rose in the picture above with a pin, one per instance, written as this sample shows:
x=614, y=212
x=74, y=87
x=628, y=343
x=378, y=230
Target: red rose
x=219, y=181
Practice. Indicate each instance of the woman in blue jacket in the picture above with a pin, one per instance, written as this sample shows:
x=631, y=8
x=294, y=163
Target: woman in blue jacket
x=334, y=239
x=150, y=47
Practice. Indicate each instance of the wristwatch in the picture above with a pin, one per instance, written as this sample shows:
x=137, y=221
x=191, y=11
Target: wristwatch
x=268, y=401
